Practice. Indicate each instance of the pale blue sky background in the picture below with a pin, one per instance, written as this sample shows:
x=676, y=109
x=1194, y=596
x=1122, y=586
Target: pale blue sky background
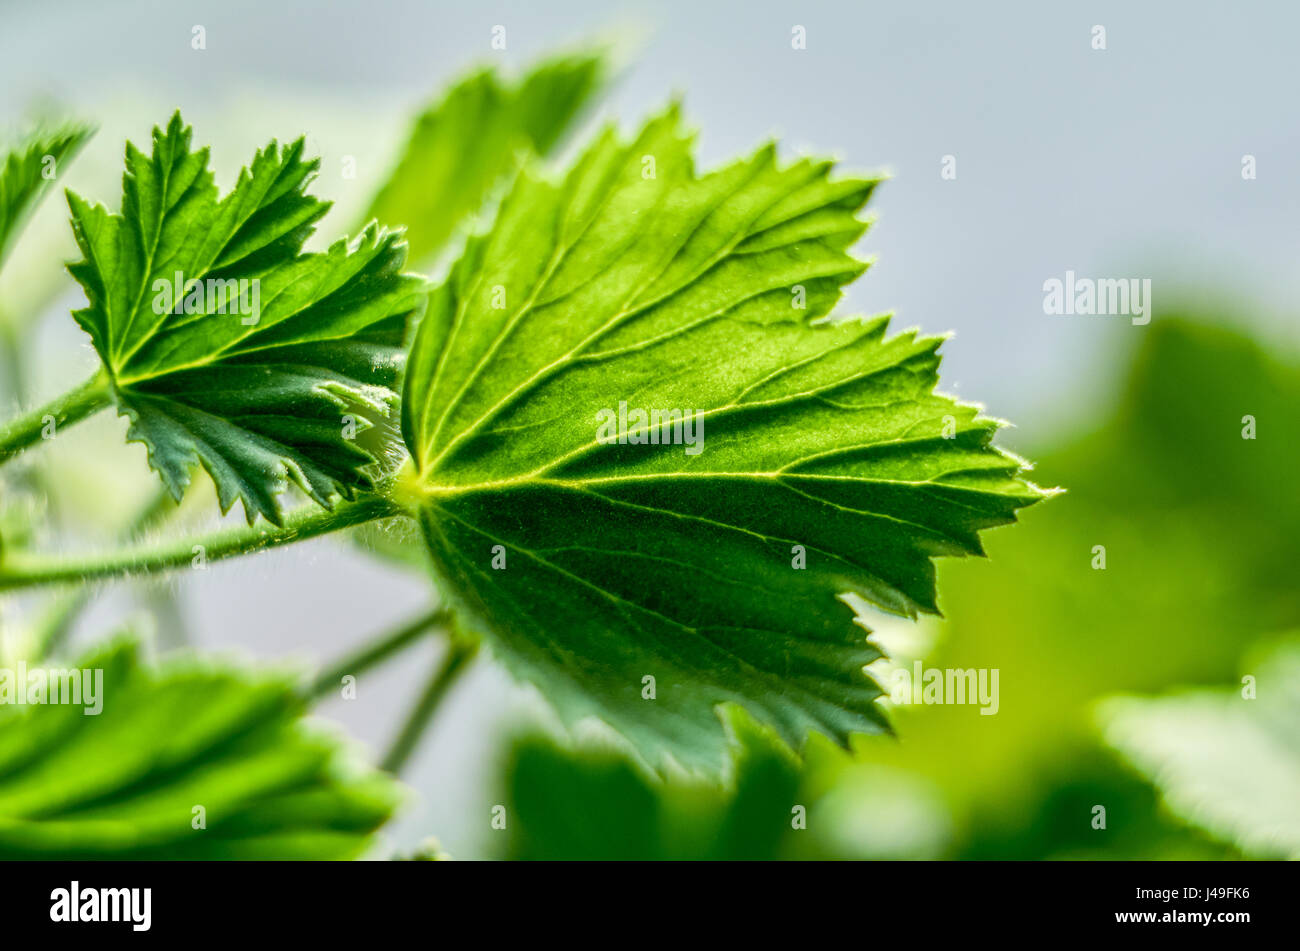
x=1119, y=163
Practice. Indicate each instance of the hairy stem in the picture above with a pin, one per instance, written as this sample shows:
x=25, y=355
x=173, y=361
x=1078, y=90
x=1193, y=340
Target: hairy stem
x=452, y=664
x=375, y=652
x=25, y=569
x=72, y=407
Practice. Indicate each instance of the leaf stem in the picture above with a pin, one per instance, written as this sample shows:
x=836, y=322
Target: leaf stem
x=21, y=569
x=72, y=407
x=375, y=652
x=459, y=653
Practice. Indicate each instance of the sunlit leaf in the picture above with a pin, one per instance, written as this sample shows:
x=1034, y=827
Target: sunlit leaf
x=808, y=458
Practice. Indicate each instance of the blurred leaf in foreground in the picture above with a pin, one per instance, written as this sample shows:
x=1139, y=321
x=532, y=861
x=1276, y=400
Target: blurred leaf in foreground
x=590, y=804
x=190, y=761
x=1227, y=761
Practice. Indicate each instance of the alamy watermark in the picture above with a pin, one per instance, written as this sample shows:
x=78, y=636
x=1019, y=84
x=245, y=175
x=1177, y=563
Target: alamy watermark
x=242, y=296
x=658, y=427
x=1098, y=297
x=83, y=687
x=943, y=685
x=133, y=906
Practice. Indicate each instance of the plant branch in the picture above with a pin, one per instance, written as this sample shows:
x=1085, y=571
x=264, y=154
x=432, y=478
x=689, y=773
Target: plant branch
x=459, y=653
x=375, y=652
x=21, y=569
x=72, y=407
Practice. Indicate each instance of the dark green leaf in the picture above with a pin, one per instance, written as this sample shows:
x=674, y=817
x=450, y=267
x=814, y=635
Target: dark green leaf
x=266, y=376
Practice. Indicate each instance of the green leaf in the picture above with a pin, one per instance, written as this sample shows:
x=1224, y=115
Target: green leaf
x=461, y=147
x=637, y=281
x=252, y=380
x=595, y=805
x=124, y=783
x=1226, y=762
x=29, y=168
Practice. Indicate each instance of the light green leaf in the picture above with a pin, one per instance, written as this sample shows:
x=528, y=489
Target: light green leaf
x=29, y=168
x=125, y=783
x=637, y=281
x=460, y=148
x=1225, y=762
x=251, y=380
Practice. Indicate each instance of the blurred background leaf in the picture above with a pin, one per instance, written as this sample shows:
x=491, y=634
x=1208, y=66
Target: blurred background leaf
x=1227, y=761
x=29, y=169
x=462, y=146
x=598, y=804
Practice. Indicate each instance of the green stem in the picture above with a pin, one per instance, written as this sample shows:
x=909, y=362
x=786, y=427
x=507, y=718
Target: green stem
x=72, y=407
x=459, y=654
x=21, y=569
x=374, y=653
